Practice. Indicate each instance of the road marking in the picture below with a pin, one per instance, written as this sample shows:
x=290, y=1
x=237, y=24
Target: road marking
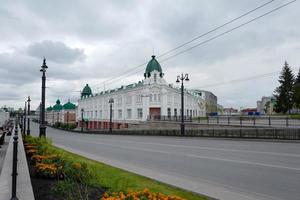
x=244, y=162
x=217, y=149
x=198, y=156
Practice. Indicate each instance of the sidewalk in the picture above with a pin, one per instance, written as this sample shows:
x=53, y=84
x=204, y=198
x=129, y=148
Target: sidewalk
x=24, y=187
x=3, y=150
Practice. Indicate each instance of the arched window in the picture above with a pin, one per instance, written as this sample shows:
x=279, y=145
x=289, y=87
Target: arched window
x=155, y=78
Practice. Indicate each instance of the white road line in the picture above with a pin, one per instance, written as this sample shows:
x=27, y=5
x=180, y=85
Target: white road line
x=217, y=149
x=244, y=162
x=198, y=156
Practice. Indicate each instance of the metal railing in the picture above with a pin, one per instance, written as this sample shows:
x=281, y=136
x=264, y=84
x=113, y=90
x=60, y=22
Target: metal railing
x=169, y=118
x=253, y=121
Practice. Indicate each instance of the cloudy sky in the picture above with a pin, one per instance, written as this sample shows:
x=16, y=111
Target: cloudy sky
x=92, y=41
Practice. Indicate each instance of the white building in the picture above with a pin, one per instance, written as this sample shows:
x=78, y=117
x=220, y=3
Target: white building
x=4, y=117
x=266, y=105
x=59, y=113
x=147, y=99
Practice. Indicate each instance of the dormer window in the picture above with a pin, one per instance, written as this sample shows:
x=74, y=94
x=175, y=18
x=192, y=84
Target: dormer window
x=155, y=78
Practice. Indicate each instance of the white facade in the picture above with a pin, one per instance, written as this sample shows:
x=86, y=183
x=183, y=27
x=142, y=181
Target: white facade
x=137, y=102
x=4, y=116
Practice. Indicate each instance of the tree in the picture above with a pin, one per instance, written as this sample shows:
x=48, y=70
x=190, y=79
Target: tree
x=284, y=92
x=296, y=91
x=267, y=107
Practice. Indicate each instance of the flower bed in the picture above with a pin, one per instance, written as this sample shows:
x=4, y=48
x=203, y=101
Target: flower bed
x=61, y=177
x=57, y=175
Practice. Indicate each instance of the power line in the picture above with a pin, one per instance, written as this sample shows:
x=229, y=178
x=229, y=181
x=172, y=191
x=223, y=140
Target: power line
x=216, y=28
x=245, y=79
x=196, y=38
x=242, y=79
x=219, y=35
x=228, y=31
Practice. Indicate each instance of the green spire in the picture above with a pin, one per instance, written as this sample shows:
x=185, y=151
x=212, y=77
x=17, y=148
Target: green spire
x=86, y=91
x=69, y=106
x=152, y=65
x=57, y=106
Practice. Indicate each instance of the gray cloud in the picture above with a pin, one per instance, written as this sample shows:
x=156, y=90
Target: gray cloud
x=55, y=51
x=87, y=42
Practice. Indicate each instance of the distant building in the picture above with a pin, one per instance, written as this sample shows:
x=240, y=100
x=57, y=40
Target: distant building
x=61, y=113
x=146, y=100
x=249, y=111
x=231, y=111
x=265, y=106
x=4, y=116
x=220, y=109
x=211, y=101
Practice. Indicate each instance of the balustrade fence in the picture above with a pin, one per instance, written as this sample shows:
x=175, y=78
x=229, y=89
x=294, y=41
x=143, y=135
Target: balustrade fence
x=265, y=121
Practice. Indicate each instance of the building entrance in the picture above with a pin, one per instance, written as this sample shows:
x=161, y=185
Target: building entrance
x=154, y=113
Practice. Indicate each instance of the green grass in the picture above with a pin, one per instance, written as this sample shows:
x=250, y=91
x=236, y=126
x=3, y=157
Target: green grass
x=115, y=179
x=295, y=116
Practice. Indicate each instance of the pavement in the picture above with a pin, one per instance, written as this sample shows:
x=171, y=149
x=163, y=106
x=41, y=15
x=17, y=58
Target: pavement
x=223, y=169
x=3, y=150
x=24, y=188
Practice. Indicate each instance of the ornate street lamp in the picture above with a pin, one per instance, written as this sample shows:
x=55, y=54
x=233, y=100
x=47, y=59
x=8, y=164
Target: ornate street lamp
x=82, y=110
x=28, y=113
x=182, y=78
x=111, y=101
x=42, y=122
x=24, y=126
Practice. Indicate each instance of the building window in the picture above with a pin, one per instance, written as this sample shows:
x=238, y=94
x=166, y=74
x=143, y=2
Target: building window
x=96, y=114
x=100, y=114
x=120, y=114
x=150, y=97
x=175, y=112
x=138, y=98
x=139, y=113
x=155, y=78
x=169, y=112
x=158, y=97
x=129, y=113
x=128, y=100
x=119, y=101
x=191, y=112
x=154, y=97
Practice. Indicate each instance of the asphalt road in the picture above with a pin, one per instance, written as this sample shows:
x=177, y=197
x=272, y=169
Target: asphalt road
x=224, y=169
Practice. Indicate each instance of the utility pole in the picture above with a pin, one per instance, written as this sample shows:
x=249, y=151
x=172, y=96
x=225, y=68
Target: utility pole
x=42, y=123
x=182, y=78
x=28, y=113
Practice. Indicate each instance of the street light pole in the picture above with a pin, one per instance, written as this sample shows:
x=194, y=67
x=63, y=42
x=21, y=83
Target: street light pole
x=82, y=110
x=182, y=78
x=24, y=127
x=28, y=113
x=111, y=101
x=42, y=123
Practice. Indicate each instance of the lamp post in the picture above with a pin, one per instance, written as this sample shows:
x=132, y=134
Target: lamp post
x=182, y=78
x=42, y=123
x=24, y=126
x=28, y=113
x=82, y=110
x=111, y=101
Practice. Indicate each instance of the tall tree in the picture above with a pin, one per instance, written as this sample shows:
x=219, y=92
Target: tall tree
x=296, y=97
x=284, y=92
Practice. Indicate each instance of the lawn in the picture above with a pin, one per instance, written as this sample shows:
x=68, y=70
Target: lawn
x=118, y=180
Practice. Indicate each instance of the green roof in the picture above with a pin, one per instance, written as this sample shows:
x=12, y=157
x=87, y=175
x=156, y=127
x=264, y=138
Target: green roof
x=49, y=108
x=69, y=106
x=86, y=91
x=152, y=65
x=57, y=106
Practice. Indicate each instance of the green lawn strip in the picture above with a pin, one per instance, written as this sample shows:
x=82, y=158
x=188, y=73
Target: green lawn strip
x=116, y=179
